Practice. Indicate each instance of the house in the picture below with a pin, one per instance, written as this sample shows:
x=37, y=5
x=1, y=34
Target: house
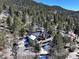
x=38, y=34
x=42, y=38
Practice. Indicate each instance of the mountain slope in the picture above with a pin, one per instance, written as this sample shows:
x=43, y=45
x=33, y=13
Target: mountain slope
x=29, y=3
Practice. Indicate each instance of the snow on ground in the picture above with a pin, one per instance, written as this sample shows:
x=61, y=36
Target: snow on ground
x=73, y=55
x=4, y=14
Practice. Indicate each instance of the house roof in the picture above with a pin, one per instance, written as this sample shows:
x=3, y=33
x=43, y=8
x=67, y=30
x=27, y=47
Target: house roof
x=33, y=37
x=38, y=33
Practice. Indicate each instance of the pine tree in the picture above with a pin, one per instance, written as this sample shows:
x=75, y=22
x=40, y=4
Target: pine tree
x=59, y=51
x=58, y=41
x=11, y=11
x=2, y=39
x=4, y=7
x=9, y=22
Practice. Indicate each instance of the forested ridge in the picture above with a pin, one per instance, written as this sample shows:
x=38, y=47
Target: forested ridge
x=27, y=15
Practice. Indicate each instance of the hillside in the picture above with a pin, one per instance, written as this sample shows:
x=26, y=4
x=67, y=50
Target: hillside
x=29, y=3
x=20, y=4
x=58, y=28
